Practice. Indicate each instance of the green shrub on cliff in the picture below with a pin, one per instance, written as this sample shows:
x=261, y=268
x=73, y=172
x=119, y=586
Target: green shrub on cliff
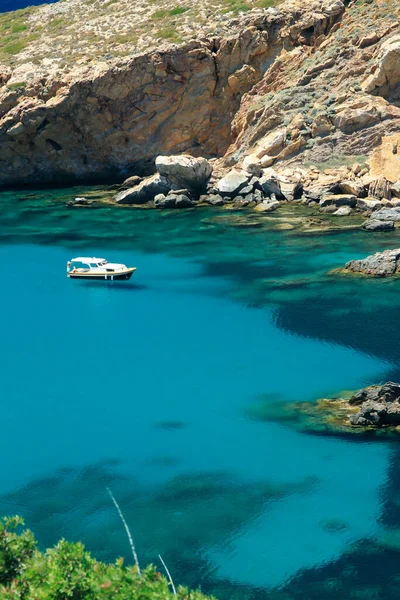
x=14, y=31
x=170, y=34
x=18, y=85
x=68, y=571
x=265, y=3
x=14, y=47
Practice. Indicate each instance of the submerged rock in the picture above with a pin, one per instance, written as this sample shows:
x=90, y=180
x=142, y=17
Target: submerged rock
x=381, y=264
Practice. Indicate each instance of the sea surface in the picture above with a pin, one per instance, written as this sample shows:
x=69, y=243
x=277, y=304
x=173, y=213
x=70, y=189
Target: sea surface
x=148, y=387
x=8, y=5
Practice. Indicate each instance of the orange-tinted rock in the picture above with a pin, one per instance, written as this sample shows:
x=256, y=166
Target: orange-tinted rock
x=385, y=160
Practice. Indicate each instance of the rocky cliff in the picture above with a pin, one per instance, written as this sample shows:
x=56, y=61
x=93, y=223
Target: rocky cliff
x=303, y=81
x=323, y=101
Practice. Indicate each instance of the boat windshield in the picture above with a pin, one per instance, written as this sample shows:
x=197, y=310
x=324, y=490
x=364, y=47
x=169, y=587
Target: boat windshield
x=78, y=265
x=95, y=265
x=86, y=263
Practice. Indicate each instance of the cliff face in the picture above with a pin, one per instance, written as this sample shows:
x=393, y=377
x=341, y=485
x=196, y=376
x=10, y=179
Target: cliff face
x=117, y=119
x=290, y=83
x=333, y=99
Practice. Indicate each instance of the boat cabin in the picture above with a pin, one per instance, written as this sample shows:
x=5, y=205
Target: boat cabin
x=87, y=263
x=90, y=267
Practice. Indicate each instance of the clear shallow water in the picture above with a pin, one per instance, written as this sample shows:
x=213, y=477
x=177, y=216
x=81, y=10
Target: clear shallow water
x=144, y=386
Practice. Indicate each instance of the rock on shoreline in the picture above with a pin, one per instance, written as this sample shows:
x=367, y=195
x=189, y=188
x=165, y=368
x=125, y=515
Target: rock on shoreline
x=342, y=192
x=381, y=264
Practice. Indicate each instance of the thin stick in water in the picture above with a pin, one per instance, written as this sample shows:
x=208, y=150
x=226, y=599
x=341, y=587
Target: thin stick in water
x=128, y=533
x=168, y=573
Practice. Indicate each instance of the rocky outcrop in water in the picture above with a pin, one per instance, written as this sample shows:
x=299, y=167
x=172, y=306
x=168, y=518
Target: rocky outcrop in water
x=372, y=410
x=379, y=405
x=381, y=264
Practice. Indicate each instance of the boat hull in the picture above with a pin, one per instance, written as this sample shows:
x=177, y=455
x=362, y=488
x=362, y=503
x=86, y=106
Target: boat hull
x=117, y=276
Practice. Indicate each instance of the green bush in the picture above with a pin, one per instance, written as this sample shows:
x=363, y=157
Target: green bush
x=178, y=10
x=68, y=571
x=236, y=6
x=265, y=3
x=159, y=14
x=169, y=34
x=18, y=27
x=14, y=47
x=18, y=85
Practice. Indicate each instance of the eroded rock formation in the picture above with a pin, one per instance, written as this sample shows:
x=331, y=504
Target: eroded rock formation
x=378, y=405
x=381, y=264
x=323, y=103
x=106, y=120
x=295, y=83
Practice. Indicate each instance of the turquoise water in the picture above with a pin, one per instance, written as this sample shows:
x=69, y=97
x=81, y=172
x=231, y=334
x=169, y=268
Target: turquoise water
x=144, y=386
